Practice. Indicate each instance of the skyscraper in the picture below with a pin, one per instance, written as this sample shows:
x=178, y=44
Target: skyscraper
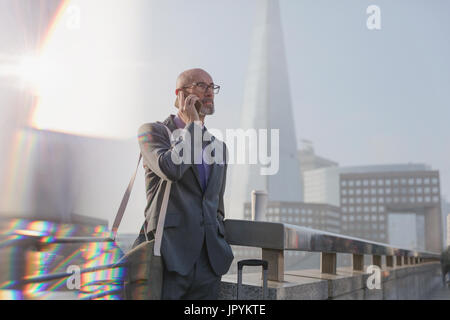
x=267, y=105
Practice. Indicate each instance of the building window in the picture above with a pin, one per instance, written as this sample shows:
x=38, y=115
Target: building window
x=373, y=182
x=344, y=209
x=373, y=200
x=366, y=191
x=358, y=183
x=373, y=191
x=381, y=209
x=412, y=199
x=419, y=181
x=358, y=209
x=435, y=190
x=427, y=190
x=374, y=208
x=358, y=200
x=411, y=190
x=434, y=181
x=374, y=217
x=395, y=181
x=358, y=191
x=396, y=199
x=350, y=192
x=344, y=200
x=427, y=199
x=410, y=181
x=419, y=199
x=344, y=183
x=426, y=181
x=403, y=181
x=380, y=200
x=435, y=199
x=351, y=200
x=419, y=190
x=388, y=182
x=351, y=209
x=388, y=200
x=366, y=182
x=350, y=183
x=366, y=209
x=380, y=182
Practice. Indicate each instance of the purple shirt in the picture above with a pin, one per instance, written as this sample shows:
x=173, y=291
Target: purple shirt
x=203, y=168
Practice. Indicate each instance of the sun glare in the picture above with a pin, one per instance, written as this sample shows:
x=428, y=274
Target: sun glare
x=82, y=77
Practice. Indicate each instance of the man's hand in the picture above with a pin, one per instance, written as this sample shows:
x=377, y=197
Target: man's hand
x=187, y=111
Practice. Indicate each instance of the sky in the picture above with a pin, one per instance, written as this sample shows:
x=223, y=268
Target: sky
x=362, y=96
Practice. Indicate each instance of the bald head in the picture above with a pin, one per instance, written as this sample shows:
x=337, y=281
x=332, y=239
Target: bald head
x=188, y=77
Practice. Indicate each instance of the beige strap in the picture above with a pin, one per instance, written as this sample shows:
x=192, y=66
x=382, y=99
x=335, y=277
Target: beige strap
x=123, y=204
x=161, y=220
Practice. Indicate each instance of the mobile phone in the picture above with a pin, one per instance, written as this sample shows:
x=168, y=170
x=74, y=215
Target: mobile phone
x=197, y=104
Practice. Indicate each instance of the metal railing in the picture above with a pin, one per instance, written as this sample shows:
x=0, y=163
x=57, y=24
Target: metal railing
x=275, y=238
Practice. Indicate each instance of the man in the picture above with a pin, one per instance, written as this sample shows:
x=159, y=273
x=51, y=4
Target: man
x=194, y=248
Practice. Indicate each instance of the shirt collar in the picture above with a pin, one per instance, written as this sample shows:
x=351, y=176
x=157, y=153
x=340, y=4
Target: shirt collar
x=180, y=123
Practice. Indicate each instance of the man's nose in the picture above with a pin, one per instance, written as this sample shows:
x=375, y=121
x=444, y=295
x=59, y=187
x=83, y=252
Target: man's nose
x=209, y=92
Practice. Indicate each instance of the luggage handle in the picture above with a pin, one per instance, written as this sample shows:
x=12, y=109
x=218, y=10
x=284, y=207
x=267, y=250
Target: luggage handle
x=253, y=263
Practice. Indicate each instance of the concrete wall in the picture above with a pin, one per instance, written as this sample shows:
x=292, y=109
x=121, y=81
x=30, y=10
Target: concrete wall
x=399, y=283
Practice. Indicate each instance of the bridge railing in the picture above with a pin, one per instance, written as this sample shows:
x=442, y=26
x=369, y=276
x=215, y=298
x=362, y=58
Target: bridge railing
x=275, y=238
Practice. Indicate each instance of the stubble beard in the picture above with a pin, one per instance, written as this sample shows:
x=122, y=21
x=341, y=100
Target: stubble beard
x=207, y=110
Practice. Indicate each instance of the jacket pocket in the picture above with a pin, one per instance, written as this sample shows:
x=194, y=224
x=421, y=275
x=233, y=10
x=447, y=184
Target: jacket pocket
x=172, y=220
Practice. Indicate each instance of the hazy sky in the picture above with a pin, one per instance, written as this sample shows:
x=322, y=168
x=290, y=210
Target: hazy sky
x=363, y=97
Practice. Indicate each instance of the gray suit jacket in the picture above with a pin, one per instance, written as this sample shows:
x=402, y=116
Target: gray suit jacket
x=193, y=215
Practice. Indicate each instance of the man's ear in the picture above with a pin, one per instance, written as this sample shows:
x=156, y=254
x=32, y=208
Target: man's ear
x=177, y=103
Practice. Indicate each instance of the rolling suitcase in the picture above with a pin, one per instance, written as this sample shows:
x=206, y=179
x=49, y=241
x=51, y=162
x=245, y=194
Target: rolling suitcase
x=253, y=263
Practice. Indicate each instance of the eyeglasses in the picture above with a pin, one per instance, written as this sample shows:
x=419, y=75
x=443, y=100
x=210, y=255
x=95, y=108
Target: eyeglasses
x=204, y=87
